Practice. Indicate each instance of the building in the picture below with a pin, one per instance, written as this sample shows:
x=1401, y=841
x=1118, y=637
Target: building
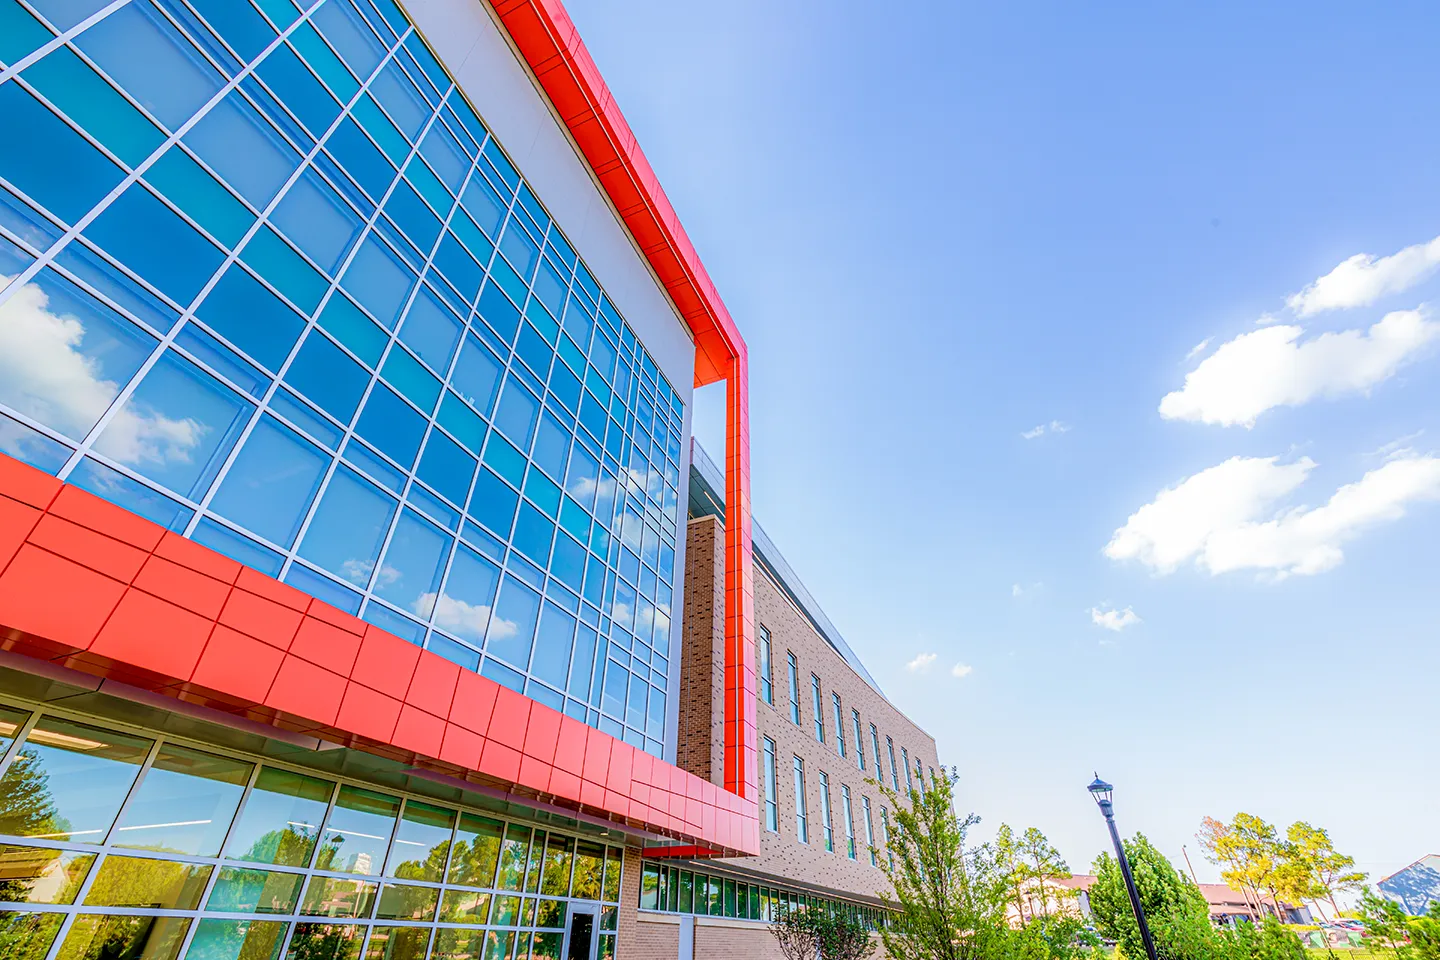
x=1227, y=905
x=826, y=732
x=1415, y=887
x=347, y=352
x=347, y=357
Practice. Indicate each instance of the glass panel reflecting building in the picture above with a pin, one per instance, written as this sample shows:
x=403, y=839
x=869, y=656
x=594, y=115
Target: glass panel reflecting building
x=270, y=282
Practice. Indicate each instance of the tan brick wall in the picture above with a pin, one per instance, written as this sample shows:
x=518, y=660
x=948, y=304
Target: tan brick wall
x=781, y=854
x=716, y=940
x=701, y=731
x=655, y=938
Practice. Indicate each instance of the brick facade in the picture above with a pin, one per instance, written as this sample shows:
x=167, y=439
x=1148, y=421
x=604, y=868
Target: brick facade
x=700, y=745
x=782, y=857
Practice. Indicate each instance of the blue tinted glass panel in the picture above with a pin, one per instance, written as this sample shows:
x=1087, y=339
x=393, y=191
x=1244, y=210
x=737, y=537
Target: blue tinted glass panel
x=464, y=606
x=553, y=644
x=65, y=356
x=241, y=549
x=270, y=485
x=493, y=503
x=65, y=14
x=274, y=260
x=343, y=26
x=285, y=74
x=149, y=238
x=401, y=100
x=313, y=215
x=141, y=50
x=302, y=577
x=348, y=528
x=177, y=427
x=517, y=413
x=392, y=425
x=244, y=312
x=244, y=149
x=477, y=376
x=361, y=159
x=131, y=494
x=186, y=184
x=322, y=372
x=414, y=561
x=512, y=629
x=533, y=533
x=79, y=92
x=431, y=331
x=379, y=280
x=49, y=161
x=238, y=24
x=20, y=33
x=446, y=467
x=352, y=328
x=29, y=445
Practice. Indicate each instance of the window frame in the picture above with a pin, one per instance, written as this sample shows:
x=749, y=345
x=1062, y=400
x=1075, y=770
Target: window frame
x=794, y=667
x=817, y=701
x=802, y=811
x=772, y=806
x=766, y=671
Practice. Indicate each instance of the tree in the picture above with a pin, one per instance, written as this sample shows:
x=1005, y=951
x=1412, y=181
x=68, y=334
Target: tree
x=1173, y=905
x=1385, y=920
x=1425, y=933
x=948, y=900
x=827, y=934
x=1249, y=848
x=1042, y=863
x=1328, y=871
x=1010, y=867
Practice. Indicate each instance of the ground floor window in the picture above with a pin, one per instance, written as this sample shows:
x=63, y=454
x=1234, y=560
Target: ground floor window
x=126, y=843
x=676, y=890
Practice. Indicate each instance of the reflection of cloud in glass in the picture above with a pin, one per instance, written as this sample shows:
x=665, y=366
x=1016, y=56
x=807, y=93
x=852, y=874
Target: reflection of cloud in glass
x=45, y=374
x=584, y=488
x=358, y=573
x=462, y=619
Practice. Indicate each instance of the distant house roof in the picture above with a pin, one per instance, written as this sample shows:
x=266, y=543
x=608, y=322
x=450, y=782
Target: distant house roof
x=1080, y=881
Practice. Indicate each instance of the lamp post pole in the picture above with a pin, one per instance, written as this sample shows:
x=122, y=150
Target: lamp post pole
x=1101, y=791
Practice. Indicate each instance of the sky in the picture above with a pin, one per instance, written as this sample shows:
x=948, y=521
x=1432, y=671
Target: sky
x=1094, y=391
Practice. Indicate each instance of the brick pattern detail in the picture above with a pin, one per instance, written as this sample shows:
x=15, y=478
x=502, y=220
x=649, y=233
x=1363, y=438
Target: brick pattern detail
x=93, y=587
x=781, y=854
x=701, y=737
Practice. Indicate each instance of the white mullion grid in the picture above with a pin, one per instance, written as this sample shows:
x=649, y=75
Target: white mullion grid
x=102, y=852
x=263, y=221
x=104, y=204
x=348, y=432
x=61, y=36
x=139, y=170
x=21, y=733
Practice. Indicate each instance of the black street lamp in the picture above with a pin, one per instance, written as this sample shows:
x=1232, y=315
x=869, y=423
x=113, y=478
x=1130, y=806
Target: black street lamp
x=1101, y=791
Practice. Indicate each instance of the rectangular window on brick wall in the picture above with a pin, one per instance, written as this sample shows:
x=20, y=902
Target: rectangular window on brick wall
x=767, y=680
x=772, y=808
x=848, y=812
x=825, y=819
x=885, y=835
x=894, y=770
x=802, y=825
x=875, y=746
x=909, y=781
x=869, y=831
x=859, y=741
x=839, y=723
x=819, y=710
x=794, y=667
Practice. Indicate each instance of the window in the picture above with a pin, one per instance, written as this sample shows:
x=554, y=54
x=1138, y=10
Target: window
x=825, y=819
x=819, y=710
x=885, y=835
x=849, y=813
x=794, y=689
x=767, y=684
x=839, y=724
x=909, y=783
x=772, y=809
x=875, y=747
x=859, y=743
x=894, y=770
x=869, y=831
x=802, y=829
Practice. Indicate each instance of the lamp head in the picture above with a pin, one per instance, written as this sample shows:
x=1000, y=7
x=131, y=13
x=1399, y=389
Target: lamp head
x=1101, y=791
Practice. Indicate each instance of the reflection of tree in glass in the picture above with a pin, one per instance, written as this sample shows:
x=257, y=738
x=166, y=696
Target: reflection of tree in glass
x=325, y=941
x=41, y=874
x=151, y=938
x=474, y=861
x=589, y=866
x=26, y=807
x=432, y=868
x=27, y=936
x=289, y=847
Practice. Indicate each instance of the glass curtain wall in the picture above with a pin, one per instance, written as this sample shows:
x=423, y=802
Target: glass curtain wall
x=268, y=280
x=124, y=844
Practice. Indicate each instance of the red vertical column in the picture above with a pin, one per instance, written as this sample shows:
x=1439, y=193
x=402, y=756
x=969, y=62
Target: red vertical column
x=740, y=734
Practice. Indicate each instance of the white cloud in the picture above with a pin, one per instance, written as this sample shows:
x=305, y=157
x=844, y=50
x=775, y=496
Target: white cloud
x=1365, y=278
x=1016, y=590
x=1230, y=516
x=1054, y=426
x=1270, y=367
x=1112, y=619
x=921, y=663
x=1199, y=348
x=46, y=373
x=467, y=620
x=961, y=670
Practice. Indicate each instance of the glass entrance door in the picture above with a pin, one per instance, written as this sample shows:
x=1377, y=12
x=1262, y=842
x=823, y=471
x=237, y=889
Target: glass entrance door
x=580, y=940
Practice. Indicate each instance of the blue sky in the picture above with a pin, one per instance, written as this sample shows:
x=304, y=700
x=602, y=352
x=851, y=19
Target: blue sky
x=941, y=231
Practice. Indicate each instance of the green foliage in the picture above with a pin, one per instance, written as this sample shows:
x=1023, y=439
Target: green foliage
x=1300, y=867
x=1425, y=933
x=1172, y=903
x=828, y=934
x=1385, y=921
x=949, y=900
